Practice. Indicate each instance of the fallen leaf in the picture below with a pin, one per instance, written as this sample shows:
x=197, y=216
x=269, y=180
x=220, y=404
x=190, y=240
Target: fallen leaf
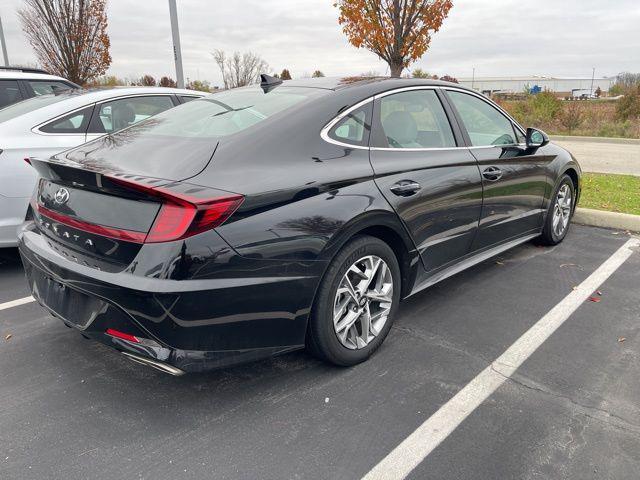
x=8, y=336
x=621, y=339
x=595, y=299
x=575, y=287
x=570, y=265
x=499, y=262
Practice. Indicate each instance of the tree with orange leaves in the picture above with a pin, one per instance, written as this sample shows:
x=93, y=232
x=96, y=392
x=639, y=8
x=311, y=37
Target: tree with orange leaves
x=69, y=37
x=398, y=31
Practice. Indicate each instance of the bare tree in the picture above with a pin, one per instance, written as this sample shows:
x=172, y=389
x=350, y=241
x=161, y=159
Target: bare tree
x=239, y=70
x=69, y=37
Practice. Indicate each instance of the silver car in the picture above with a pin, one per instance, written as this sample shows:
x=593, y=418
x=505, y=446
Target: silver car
x=48, y=124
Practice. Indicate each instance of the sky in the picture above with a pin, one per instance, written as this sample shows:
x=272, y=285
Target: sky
x=496, y=37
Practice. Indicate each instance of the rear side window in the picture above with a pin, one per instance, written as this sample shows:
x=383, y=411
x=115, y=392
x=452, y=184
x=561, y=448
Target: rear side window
x=187, y=98
x=75, y=122
x=485, y=124
x=413, y=119
x=9, y=92
x=354, y=128
x=44, y=87
x=118, y=114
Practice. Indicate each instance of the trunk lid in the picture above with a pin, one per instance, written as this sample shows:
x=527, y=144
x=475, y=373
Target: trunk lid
x=101, y=218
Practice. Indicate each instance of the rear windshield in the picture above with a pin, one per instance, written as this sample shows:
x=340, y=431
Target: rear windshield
x=29, y=105
x=178, y=143
x=225, y=113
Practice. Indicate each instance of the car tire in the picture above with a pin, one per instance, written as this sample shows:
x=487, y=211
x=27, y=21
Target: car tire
x=337, y=305
x=560, y=213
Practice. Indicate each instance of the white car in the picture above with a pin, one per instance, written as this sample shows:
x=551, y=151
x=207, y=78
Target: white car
x=17, y=83
x=48, y=124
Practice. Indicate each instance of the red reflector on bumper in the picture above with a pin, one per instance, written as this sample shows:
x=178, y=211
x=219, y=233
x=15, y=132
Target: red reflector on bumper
x=122, y=335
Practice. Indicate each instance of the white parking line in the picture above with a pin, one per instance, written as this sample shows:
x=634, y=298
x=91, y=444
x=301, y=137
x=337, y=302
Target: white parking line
x=415, y=448
x=16, y=303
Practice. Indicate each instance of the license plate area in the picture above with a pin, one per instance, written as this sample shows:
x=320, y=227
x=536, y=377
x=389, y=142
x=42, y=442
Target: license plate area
x=72, y=306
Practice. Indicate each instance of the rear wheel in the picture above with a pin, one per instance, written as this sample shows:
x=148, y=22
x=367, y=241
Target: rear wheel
x=560, y=212
x=356, y=302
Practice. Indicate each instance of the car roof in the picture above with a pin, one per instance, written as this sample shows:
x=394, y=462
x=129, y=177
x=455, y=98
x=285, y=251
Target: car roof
x=378, y=83
x=70, y=100
x=8, y=74
x=97, y=94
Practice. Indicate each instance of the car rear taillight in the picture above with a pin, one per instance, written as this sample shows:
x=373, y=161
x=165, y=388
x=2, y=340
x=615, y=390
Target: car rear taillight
x=184, y=215
x=181, y=215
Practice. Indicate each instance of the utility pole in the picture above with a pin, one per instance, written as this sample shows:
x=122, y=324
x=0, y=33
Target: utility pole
x=4, y=45
x=473, y=77
x=177, y=52
x=593, y=76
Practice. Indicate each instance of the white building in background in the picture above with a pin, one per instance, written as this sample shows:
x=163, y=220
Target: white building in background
x=565, y=85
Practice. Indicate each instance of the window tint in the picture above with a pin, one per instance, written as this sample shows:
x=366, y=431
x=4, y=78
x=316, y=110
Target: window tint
x=118, y=114
x=354, y=128
x=9, y=92
x=484, y=123
x=43, y=87
x=414, y=119
x=75, y=122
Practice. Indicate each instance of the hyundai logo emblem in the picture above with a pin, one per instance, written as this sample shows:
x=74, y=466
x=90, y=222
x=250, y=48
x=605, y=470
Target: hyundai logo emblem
x=62, y=196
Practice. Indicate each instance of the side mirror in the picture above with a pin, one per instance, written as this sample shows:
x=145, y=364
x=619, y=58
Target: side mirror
x=536, y=138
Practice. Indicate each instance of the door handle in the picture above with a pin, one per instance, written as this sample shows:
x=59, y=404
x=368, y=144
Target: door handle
x=405, y=188
x=492, y=173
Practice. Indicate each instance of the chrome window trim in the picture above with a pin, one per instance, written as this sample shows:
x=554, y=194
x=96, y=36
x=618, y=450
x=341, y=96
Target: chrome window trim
x=37, y=128
x=324, y=133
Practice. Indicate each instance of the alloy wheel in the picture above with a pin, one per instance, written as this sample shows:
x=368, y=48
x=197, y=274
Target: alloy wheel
x=363, y=302
x=562, y=210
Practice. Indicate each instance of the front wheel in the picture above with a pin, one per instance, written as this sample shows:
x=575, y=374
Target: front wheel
x=558, y=219
x=356, y=302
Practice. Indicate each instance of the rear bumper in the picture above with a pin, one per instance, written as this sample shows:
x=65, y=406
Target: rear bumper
x=192, y=325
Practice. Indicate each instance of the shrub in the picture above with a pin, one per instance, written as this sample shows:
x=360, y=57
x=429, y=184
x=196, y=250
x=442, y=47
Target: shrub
x=629, y=106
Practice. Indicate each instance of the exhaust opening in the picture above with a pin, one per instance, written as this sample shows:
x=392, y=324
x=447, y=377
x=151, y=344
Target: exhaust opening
x=163, y=367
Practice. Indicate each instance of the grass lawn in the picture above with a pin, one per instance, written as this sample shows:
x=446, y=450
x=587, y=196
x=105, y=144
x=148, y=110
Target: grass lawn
x=616, y=193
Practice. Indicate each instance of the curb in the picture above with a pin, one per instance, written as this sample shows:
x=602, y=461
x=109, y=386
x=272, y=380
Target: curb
x=600, y=218
x=568, y=138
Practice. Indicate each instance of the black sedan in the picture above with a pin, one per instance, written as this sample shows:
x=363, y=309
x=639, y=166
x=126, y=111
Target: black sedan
x=264, y=219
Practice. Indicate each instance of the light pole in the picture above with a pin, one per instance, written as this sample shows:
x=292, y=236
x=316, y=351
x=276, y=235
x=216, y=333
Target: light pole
x=177, y=52
x=593, y=76
x=473, y=77
x=4, y=45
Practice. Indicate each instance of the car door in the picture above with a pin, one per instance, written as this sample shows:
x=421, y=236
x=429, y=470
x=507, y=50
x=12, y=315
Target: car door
x=514, y=178
x=426, y=173
x=119, y=113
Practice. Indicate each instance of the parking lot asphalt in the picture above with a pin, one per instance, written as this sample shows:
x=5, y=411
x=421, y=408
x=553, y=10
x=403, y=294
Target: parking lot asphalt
x=74, y=409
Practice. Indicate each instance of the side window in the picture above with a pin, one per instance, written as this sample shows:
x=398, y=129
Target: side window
x=9, y=93
x=413, y=119
x=354, y=128
x=484, y=123
x=43, y=87
x=118, y=114
x=187, y=98
x=75, y=122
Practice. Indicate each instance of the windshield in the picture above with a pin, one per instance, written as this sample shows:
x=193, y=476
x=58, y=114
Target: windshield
x=223, y=114
x=29, y=105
